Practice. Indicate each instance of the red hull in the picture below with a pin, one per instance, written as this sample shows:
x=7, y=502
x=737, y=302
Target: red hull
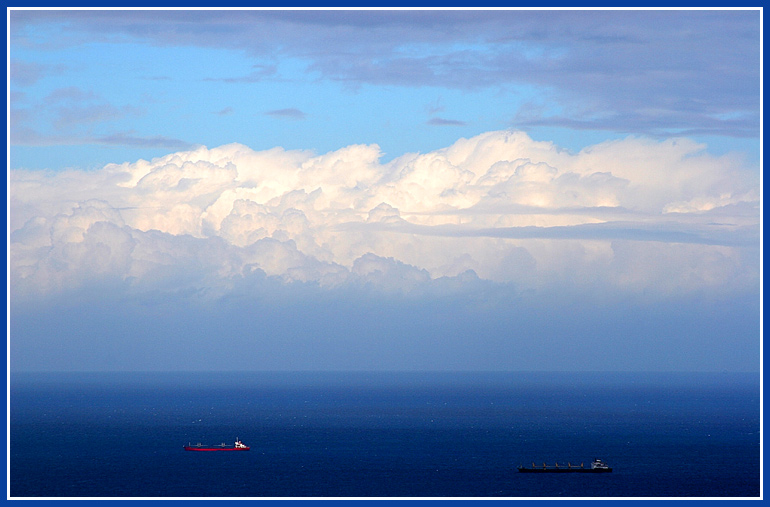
x=191, y=448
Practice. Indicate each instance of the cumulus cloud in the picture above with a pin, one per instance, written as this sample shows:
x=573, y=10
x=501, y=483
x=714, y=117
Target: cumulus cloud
x=630, y=215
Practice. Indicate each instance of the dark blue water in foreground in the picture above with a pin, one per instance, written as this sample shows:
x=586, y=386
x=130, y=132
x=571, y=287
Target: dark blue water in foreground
x=383, y=434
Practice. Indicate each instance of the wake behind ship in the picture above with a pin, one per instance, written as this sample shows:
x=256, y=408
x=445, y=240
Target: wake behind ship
x=239, y=446
x=597, y=466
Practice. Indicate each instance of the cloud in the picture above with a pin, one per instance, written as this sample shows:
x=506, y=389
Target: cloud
x=24, y=136
x=289, y=114
x=628, y=71
x=69, y=117
x=129, y=139
x=505, y=207
x=260, y=73
x=28, y=73
x=73, y=107
x=77, y=115
x=649, y=122
x=442, y=122
x=497, y=252
x=435, y=107
x=388, y=274
x=713, y=234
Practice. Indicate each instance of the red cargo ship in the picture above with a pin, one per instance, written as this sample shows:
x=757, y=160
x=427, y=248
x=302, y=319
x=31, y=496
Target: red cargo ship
x=239, y=446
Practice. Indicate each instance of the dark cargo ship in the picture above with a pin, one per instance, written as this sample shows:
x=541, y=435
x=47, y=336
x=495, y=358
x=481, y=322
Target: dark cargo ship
x=239, y=446
x=597, y=466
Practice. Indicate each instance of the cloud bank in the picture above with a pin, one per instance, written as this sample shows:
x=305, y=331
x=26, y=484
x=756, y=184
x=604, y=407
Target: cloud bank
x=634, y=216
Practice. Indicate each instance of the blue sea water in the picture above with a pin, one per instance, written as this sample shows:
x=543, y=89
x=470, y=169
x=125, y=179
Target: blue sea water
x=383, y=434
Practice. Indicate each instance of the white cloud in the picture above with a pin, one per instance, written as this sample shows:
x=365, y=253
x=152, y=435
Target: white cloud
x=630, y=215
x=389, y=273
x=88, y=245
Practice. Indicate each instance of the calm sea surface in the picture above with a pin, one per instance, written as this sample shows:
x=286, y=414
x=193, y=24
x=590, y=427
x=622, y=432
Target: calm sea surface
x=383, y=434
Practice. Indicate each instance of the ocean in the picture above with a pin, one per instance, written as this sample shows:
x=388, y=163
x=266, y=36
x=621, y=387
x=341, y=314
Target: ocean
x=384, y=435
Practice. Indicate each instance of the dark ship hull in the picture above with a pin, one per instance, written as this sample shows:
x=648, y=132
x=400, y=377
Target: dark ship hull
x=565, y=470
x=220, y=448
x=597, y=467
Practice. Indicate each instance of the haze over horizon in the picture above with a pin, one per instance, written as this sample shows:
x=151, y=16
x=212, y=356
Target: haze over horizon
x=385, y=190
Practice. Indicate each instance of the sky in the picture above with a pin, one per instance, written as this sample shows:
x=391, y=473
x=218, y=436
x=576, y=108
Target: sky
x=526, y=190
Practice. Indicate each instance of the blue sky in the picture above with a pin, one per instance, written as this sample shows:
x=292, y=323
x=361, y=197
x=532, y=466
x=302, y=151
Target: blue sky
x=143, y=83
x=470, y=189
